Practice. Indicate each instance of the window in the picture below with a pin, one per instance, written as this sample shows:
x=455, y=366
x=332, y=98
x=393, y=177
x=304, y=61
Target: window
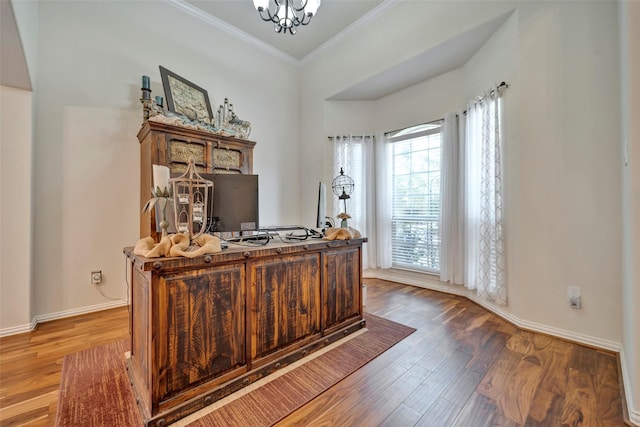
x=415, y=197
x=348, y=155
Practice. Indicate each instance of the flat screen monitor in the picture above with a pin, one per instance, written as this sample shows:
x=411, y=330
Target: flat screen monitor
x=322, y=205
x=234, y=205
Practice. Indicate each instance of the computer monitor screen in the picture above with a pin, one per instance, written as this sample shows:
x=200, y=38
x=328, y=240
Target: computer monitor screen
x=322, y=205
x=234, y=205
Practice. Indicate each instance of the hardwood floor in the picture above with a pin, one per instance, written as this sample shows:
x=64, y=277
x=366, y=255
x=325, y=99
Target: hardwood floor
x=467, y=367
x=462, y=367
x=31, y=363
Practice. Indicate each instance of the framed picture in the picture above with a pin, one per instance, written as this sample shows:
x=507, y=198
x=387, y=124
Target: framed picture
x=183, y=97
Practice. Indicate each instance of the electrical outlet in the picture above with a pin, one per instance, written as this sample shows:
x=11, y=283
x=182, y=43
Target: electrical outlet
x=96, y=277
x=574, y=297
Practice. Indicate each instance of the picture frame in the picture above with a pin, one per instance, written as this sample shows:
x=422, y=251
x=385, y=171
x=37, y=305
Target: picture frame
x=184, y=97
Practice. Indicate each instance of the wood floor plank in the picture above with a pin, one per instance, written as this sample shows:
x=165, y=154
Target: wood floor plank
x=435, y=384
x=521, y=378
x=580, y=404
x=494, y=383
x=484, y=356
x=388, y=399
x=555, y=369
x=478, y=411
x=27, y=418
x=546, y=409
x=462, y=387
x=584, y=359
x=442, y=414
x=403, y=416
x=426, y=394
x=39, y=403
x=512, y=383
x=516, y=403
x=607, y=389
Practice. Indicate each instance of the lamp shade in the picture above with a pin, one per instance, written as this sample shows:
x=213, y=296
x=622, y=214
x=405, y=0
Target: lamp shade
x=311, y=7
x=286, y=15
x=261, y=4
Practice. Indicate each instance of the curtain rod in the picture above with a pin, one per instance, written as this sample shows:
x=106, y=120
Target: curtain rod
x=421, y=124
x=352, y=136
x=491, y=92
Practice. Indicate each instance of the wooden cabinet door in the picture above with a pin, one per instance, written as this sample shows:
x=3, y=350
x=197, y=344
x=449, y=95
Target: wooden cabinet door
x=203, y=314
x=181, y=150
x=342, y=287
x=285, y=301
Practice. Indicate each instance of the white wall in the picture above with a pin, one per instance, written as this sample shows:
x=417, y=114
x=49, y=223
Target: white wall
x=569, y=181
x=91, y=59
x=630, y=141
x=563, y=184
x=15, y=209
x=421, y=103
x=366, y=53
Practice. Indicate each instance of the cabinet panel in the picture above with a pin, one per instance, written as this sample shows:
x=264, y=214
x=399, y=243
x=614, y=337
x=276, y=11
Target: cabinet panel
x=140, y=342
x=342, y=287
x=227, y=160
x=205, y=324
x=181, y=150
x=285, y=301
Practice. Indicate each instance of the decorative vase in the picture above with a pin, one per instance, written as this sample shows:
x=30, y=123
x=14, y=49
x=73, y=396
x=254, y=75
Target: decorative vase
x=164, y=224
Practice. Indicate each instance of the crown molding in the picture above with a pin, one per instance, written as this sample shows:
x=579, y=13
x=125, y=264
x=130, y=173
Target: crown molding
x=267, y=48
x=357, y=25
x=231, y=30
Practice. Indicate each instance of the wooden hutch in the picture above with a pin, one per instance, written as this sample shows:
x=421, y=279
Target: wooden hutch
x=172, y=146
x=206, y=327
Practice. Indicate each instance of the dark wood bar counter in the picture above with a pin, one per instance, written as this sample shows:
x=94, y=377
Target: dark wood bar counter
x=206, y=327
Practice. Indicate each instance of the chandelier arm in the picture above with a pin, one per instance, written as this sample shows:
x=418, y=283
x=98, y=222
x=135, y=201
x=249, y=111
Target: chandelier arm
x=303, y=4
x=305, y=20
x=269, y=18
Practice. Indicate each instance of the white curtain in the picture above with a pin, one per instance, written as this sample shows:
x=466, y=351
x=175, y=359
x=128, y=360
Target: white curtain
x=484, y=222
x=451, y=208
x=355, y=155
x=383, y=202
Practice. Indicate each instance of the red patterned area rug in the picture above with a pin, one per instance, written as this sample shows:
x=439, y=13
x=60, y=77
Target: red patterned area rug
x=95, y=390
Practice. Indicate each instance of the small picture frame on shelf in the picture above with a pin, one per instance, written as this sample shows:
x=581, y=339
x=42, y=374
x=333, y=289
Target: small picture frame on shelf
x=184, y=97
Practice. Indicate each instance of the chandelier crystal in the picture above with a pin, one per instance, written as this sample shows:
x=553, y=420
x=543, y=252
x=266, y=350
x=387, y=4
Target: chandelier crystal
x=287, y=15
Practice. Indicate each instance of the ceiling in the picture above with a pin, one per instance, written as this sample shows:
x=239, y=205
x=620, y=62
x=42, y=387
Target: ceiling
x=439, y=59
x=332, y=18
x=13, y=65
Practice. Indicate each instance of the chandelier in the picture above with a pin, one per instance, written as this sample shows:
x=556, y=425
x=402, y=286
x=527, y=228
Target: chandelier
x=287, y=14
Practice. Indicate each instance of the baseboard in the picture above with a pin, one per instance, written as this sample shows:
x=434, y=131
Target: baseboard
x=431, y=282
x=60, y=315
x=633, y=413
x=78, y=311
x=14, y=330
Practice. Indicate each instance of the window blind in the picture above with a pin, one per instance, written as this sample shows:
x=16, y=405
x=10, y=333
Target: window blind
x=415, y=213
